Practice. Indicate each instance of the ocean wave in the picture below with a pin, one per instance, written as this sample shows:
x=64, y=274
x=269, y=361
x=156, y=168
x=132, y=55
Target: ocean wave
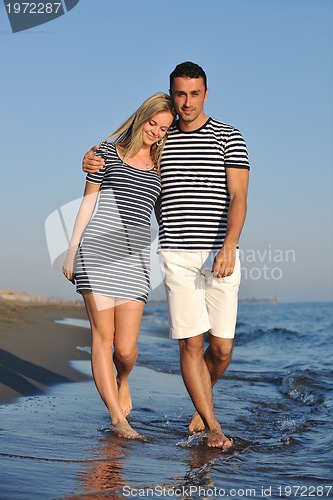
x=270, y=335
x=84, y=348
x=308, y=387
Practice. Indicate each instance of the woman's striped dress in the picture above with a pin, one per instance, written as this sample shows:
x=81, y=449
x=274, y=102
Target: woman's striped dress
x=114, y=256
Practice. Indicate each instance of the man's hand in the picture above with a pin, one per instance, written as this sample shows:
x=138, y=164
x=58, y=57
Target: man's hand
x=224, y=262
x=92, y=163
x=225, y=259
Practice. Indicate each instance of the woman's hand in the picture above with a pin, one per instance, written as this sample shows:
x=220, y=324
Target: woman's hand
x=68, y=265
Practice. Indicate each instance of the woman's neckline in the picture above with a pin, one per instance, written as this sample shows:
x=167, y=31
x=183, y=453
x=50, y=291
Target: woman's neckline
x=132, y=166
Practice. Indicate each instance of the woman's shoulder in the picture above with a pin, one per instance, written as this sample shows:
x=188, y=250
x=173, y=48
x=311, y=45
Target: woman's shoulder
x=106, y=148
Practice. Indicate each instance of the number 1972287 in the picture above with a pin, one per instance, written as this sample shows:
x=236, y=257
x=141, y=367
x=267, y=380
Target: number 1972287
x=33, y=8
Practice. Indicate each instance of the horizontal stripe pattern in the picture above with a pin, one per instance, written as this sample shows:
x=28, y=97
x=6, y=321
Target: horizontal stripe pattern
x=195, y=198
x=114, y=255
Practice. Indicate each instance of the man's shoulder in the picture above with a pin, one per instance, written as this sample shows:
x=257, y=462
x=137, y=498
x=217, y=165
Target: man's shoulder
x=219, y=125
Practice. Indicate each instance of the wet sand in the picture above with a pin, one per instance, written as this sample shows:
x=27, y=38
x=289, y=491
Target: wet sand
x=35, y=351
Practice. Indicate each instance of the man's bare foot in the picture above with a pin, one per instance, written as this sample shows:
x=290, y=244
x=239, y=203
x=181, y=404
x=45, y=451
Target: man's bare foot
x=197, y=424
x=216, y=439
x=124, y=397
x=124, y=430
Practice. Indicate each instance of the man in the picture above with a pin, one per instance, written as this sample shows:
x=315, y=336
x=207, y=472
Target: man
x=204, y=173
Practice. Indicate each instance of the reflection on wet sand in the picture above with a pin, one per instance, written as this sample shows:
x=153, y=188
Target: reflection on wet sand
x=103, y=476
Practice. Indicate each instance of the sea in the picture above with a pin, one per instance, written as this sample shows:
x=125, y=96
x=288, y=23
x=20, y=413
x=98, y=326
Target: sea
x=275, y=401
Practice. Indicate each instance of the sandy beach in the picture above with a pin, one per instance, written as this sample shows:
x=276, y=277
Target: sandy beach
x=35, y=350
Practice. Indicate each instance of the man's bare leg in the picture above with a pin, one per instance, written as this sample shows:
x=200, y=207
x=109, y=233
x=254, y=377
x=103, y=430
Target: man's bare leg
x=197, y=380
x=217, y=357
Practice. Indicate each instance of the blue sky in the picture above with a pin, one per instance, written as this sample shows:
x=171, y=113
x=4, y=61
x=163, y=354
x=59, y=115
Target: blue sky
x=69, y=83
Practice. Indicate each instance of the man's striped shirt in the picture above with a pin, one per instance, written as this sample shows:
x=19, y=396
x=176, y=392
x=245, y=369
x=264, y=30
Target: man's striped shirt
x=195, y=197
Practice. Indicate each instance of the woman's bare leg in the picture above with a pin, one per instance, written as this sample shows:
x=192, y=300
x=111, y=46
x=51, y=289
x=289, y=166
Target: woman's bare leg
x=101, y=313
x=128, y=315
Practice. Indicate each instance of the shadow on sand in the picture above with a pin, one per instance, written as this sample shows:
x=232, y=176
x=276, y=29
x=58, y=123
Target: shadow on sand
x=24, y=377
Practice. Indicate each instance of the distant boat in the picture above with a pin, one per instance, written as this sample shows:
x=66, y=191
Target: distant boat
x=275, y=301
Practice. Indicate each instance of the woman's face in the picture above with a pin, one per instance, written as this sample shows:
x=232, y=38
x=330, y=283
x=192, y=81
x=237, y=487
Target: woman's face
x=155, y=129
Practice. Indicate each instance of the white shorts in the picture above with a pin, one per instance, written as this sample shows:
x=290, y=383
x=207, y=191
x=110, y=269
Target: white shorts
x=197, y=301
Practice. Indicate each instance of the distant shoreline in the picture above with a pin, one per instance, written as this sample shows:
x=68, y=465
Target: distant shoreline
x=15, y=295
x=31, y=298
x=254, y=300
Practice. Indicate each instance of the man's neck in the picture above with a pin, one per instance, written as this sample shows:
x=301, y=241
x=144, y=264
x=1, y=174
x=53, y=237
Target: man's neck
x=191, y=126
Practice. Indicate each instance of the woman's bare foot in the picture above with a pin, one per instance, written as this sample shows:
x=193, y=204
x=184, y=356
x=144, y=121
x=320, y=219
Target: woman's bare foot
x=124, y=430
x=124, y=397
x=196, y=424
x=216, y=439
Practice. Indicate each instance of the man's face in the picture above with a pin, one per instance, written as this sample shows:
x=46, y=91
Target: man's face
x=189, y=95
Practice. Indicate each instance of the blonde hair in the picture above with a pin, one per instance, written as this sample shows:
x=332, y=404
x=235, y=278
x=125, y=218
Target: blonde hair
x=129, y=134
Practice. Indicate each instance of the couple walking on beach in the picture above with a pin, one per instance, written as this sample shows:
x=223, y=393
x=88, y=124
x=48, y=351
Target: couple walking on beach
x=194, y=171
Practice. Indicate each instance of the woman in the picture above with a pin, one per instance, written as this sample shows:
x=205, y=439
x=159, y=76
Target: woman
x=111, y=250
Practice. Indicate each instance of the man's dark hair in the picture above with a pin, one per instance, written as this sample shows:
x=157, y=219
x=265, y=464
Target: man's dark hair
x=188, y=70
